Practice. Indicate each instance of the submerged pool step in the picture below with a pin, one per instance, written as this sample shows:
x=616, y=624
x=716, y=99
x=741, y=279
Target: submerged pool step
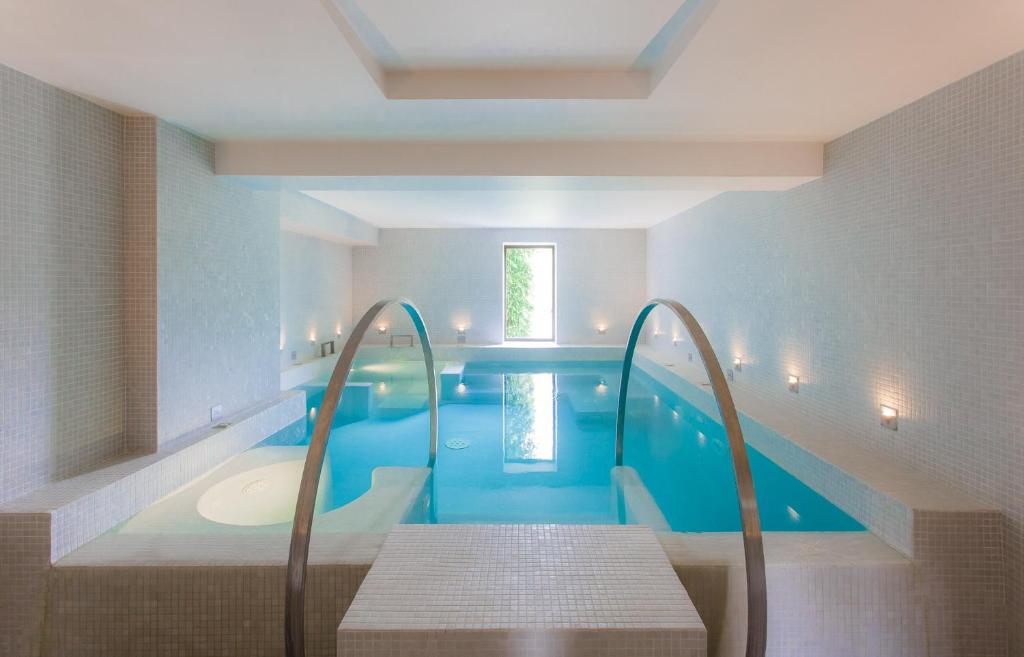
x=565, y=590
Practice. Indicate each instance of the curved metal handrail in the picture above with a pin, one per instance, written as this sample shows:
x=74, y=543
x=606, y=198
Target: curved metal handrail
x=298, y=553
x=753, y=548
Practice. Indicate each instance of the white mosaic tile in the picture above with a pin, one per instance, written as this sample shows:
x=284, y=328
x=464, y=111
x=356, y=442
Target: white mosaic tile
x=61, y=224
x=489, y=589
x=897, y=278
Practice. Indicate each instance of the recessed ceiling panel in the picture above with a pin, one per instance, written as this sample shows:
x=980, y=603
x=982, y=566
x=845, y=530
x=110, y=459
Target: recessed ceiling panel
x=481, y=33
x=513, y=208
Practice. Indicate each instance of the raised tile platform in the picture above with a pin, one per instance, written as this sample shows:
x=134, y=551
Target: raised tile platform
x=552, y=590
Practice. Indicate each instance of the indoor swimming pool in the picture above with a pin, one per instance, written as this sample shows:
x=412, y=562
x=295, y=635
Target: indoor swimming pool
x=518, y=443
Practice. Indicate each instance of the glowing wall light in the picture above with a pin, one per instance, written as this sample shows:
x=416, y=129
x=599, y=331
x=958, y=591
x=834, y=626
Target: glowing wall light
x=382, y=329
x=793, y=383
x=890, y=417
x=737, y=363
x=601, y=329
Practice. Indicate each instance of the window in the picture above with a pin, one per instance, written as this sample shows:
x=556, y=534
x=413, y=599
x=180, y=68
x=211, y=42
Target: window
x=530, y=292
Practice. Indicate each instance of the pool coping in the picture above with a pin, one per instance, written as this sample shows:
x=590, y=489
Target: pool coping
x=889, y=499
x=80, y=508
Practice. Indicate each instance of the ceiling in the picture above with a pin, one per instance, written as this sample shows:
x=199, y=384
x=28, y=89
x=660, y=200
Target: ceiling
x=519, y=208
x=748, y=71
x=257, y=69
x=556, y=33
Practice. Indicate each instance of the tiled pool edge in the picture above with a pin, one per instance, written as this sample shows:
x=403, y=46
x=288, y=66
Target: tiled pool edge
x=226, y=591
x=955, y=543
x=40, y=528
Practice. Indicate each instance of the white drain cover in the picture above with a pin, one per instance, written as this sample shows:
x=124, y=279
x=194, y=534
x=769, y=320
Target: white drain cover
x=456, y=443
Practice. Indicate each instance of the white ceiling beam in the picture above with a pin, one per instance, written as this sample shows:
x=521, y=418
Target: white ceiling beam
x=302, y=214
x=661, y=54
x=698, y=160
x=515, y=84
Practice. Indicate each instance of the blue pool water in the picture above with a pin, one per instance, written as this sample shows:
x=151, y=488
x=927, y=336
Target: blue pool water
x=536, y=443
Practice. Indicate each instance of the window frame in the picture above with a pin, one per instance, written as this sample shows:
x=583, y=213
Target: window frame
x=554, y=290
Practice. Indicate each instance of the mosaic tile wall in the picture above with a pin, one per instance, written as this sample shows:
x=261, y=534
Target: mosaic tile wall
x=217, y=292
x=316, y=294
x=455, y=276
x=897, y=278
x=140, y=282
x=61, y=225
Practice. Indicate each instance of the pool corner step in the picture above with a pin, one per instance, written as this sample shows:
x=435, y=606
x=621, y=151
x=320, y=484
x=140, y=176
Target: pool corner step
x=564, y=590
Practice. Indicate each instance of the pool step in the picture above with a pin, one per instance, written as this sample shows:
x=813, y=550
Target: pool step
x=565, y=590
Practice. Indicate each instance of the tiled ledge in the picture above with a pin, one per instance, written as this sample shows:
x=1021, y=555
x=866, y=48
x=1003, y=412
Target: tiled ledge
x=310, y=370
x=505, y=351
x=81, y=508
x=319, y=369
x=851, y=584
x=885, y=497
x=41, y=527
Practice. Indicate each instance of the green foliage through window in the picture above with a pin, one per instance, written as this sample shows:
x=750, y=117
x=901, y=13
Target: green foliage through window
x=518, y=279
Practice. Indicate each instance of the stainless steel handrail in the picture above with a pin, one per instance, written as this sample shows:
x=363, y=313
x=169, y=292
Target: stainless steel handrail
x=298, y=553
x=753, y=548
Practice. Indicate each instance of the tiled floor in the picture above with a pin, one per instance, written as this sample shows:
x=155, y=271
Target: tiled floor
x=521, y=589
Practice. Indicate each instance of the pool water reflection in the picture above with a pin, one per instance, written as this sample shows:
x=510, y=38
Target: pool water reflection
x=536, y=443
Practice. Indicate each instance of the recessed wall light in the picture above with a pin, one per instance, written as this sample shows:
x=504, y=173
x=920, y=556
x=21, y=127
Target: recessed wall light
x=737, y=363
x=382, y=329
x=793, y=382
x=890, y=417
x=601, y=329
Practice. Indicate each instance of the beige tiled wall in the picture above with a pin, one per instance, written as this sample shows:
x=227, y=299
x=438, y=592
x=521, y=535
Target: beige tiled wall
x=217, y=288
x=61, y=225
x=140, y=282
x=316, y=294
x=455, y=276
x=895, y=279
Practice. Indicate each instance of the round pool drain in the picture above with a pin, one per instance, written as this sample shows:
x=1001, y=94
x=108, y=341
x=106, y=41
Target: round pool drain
x=456, y=443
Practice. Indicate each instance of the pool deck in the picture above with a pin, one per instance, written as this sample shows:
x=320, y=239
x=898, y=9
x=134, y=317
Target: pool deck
x=484, y=590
